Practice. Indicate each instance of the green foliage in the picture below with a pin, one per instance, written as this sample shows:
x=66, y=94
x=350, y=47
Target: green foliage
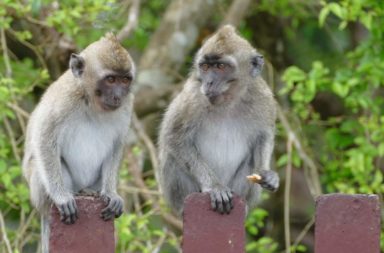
x=351, y=150
x=253, y=224
x=353, y=142
x=348, y=147
x=137, y=233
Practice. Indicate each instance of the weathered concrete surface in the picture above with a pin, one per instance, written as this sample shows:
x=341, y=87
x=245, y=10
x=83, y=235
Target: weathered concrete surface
x=206, y=231
x=347, y=224
x=89, y=234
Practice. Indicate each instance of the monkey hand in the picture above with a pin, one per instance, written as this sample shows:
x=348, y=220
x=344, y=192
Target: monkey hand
x=67, y=208
x=221, y=199
x=114, y=206
x=269, y=180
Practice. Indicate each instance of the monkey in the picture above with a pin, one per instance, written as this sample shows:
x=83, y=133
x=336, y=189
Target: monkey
x=219, y=128
x=77, y=131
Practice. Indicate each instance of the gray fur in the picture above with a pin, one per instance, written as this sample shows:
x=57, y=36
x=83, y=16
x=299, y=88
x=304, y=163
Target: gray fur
x=73, y=144
x=205, y=147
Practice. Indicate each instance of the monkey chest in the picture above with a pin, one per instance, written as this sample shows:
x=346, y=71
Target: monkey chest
x=223, y=144
x=85, y=148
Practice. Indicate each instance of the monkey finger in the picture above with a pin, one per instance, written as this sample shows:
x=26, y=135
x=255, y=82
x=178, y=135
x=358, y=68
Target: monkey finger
x=270, y=180
x=107, y=215
x=230, y=196
x=68, y=220
x=118, y=213
x=106, y=210
x=72, y=208
x=231, y=203
x=65, y=210
x=226, y=203
x=213, y=201
x=119, y=208
x=115, y=204
x=72, y=219
x=219, y=200
x=271, y=184
x=62, y=217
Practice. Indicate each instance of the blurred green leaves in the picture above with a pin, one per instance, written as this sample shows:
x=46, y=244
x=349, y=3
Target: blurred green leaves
x=352, y=148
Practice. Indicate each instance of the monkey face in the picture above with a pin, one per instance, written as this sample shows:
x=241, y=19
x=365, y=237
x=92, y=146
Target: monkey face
x=217, y=76
x=111, y=90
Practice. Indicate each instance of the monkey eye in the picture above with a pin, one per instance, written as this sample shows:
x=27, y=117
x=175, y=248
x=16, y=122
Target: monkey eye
x=204, y=66
x=111, y=79
x=221, y=66
x=126, y=79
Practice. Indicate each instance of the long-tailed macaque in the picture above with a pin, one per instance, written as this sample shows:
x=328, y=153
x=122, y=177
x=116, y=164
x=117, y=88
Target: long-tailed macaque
x=76, y=134
x=220, y=128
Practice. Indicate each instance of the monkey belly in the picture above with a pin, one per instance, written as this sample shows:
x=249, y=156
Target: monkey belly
x=223, y=145
x=85, y=147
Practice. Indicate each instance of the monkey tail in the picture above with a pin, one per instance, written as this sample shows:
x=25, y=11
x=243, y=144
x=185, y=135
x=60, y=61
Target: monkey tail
x=45, y=231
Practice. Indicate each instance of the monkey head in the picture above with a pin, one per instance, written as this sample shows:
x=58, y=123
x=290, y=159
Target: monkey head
x=105, y=70
x=225, y=65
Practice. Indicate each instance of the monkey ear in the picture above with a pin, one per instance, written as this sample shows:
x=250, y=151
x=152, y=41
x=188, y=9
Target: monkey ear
x=77, y=64
x=257, y=63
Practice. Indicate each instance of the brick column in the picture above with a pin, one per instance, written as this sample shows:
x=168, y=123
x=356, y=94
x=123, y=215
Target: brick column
x=206, y=231
x=347, y=224
x=89, y=234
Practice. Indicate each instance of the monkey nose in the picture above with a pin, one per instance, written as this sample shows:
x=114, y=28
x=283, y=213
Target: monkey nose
x=116, y=100
x=212, y=97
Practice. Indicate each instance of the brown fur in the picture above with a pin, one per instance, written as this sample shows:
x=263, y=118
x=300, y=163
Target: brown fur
x=226, y=41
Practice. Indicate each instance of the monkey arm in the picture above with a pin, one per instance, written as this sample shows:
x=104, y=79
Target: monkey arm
x=48, y=160
x=188, y=157
x=110, y=168
x=109, y=176
x=262, y=153
x=263, y=149
x=47, y=152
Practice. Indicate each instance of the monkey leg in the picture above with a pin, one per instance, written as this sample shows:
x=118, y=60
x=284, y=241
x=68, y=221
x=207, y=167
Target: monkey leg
x=178, y=184
x=38, y=195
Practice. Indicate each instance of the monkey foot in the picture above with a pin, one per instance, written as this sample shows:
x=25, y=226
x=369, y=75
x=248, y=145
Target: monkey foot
x=114, y=207
x=68, y=211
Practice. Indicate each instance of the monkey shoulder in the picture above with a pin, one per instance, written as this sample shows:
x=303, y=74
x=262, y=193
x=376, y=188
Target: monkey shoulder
x=185, y=108
x=181, y=119
x=258, y=105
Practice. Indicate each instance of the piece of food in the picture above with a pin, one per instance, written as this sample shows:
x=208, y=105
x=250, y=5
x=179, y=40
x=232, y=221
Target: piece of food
x=254, y=178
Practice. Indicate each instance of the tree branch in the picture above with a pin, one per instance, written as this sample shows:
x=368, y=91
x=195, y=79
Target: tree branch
x=236, y=12
x=4, y=232
x=131, y=21
x=287, y=194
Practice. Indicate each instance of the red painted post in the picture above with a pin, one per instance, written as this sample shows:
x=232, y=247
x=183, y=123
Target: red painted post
x=89, y=234
x=347, y=223
x=206, y=231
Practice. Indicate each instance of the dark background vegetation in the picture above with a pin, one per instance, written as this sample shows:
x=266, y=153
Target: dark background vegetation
x=325, y=65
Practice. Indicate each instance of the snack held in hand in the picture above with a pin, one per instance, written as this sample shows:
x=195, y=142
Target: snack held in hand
x=254, y=178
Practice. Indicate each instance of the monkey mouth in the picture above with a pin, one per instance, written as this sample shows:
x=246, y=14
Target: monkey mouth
x=215, y=99
x=109, y=107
